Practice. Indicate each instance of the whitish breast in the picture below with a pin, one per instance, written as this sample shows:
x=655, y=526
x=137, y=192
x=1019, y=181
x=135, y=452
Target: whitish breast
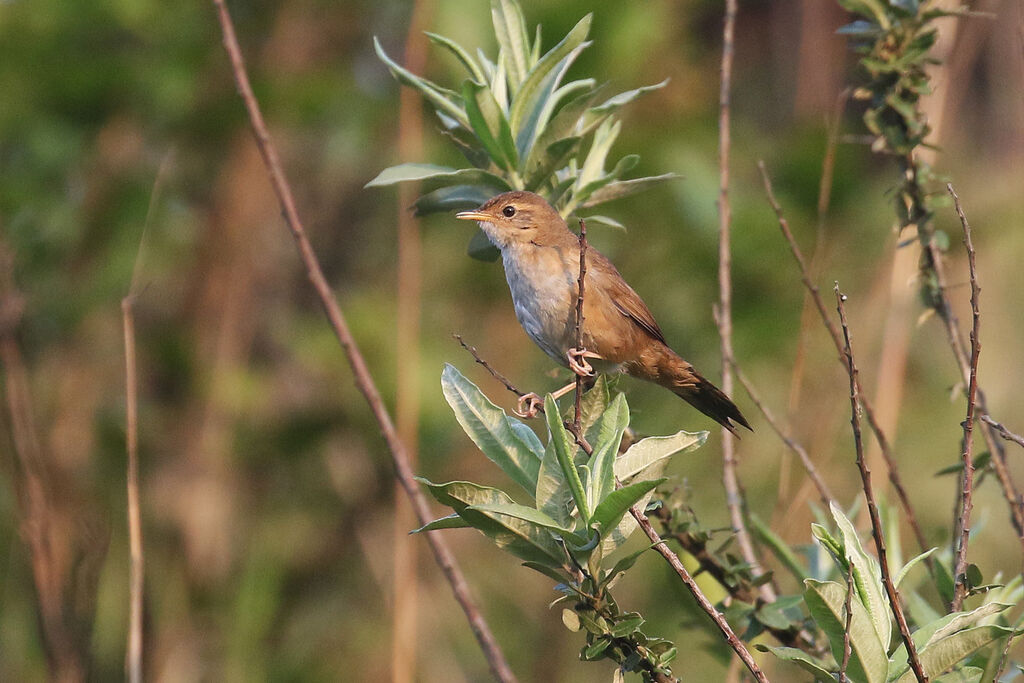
x=542, y=288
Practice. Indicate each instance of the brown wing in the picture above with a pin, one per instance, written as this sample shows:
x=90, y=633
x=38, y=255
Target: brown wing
x=627, y=301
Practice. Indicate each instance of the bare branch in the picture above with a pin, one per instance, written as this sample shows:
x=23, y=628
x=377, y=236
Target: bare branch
x=1003, y=431
x=848, y=608
x=869, y=495
x=967, y=476
x=578, y=397
x=363, y=378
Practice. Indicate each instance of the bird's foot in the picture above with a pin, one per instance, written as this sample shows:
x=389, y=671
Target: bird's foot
x=578, y=361
x=528, y=406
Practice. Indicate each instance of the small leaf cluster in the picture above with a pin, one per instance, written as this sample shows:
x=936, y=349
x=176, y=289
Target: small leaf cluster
x=575, y=505
x=521, y=127
x=968, y=645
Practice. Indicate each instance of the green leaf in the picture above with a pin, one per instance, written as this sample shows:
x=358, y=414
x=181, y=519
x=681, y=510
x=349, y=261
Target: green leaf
x=610, y=510
x=443, y=100
x=571, y=620
x=968, y=674
x=452, y=521
x=631, y=622
x=602, y=462
x=481, y=248
x=902, y=574
x=517, y=452
x=525, y=540
x=467, y=61
x=593, y=165
x=647, y=451
x=624, y=564
x=489, y=124
x=597, y=219
x=533, y=516
x=453, y=198
x=564, y=453
x=867, y=578
x=413, y=171
x=553, y=574
x=510, y=30
x=812, y=665
x=941, y=655
x=826, y=602
x=554, y=157
x=624, y=188
x=613, y=103
x=553, y=495
x=544, y=77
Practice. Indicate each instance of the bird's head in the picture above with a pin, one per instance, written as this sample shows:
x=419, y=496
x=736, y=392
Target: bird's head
x=516, y=218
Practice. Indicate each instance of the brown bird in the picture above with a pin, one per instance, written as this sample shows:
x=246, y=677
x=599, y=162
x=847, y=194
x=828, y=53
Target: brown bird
x=542, y=263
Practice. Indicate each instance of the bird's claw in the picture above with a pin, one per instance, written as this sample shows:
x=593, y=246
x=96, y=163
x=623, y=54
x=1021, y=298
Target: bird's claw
x=528, y=406
x=578, y=362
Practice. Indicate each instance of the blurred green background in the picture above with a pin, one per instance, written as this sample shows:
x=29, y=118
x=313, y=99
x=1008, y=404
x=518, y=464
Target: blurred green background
x=267, y=492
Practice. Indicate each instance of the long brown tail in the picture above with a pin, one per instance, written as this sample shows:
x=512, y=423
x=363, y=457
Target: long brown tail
x=668, y=369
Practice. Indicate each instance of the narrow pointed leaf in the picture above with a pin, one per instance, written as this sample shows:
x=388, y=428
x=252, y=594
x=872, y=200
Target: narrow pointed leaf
x=413, y=171
x=867, y=578
x=805, y=661
x=453, y=198
x=524, y=540
x=607, y=221
x=464, y=57
x=593, y=166
x=624, y=188
x=902, y=574
x=609, y=511
x=516, y=453
x=941, y=655
x=613, y=103
x=564, y=453
x=510, y=29
x=602, y=462
x=825, y=600
x=441, y=99
x=533, y=516
x=452, y=521
x=647, y=451
x=553, y=495
x=551, y=573
x=489, y=124
x=553, y=158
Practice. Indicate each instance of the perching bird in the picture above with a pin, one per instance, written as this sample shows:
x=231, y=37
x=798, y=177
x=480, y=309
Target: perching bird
x=542, y=258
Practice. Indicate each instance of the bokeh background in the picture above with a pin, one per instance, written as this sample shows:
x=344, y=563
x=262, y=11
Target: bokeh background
x=267, y=493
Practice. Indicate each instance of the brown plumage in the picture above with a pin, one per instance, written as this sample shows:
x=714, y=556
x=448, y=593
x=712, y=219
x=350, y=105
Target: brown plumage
x=541, y=258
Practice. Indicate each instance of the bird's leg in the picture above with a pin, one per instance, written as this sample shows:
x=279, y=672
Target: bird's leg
x=578, y=361
x=530, y=404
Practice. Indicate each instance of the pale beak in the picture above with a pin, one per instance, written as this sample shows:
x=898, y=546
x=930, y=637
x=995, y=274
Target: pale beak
x=473, y=216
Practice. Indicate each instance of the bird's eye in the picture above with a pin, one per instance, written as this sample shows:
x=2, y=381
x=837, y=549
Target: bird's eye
x=509, y=211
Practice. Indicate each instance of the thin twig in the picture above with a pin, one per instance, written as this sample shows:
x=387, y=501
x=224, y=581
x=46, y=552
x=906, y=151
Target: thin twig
x=730, y=477
x=1003, y=431
x=801, y=452
x=489, y=368
x=363, y=379
x=869, y=495
x=578, y=398
x=883, y=442
x=1010, y=491
x=848, y=609
x=960, y=567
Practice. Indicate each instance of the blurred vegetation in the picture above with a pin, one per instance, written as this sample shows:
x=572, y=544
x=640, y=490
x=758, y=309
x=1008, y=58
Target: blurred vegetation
x=266, y=493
